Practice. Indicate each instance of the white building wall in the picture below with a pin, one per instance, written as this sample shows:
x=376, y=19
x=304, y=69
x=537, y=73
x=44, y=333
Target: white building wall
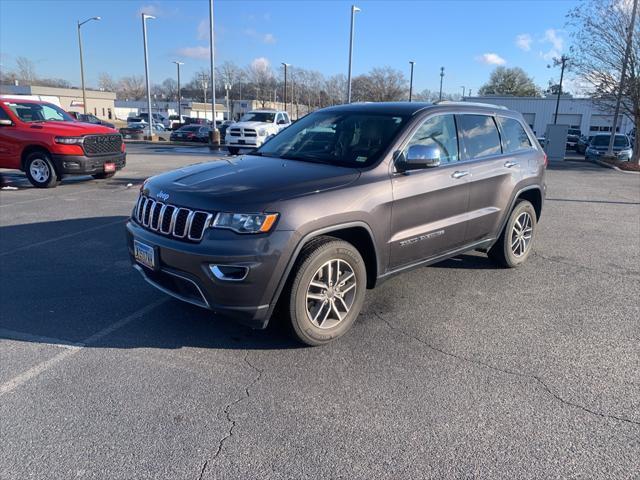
x=541, y=112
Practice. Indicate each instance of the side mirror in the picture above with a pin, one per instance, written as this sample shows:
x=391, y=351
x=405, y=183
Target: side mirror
x=5, y=122
x=420, y=156
x=282, y=122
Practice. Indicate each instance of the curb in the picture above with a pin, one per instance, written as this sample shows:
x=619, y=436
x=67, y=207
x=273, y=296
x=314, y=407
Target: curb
x=608, y=165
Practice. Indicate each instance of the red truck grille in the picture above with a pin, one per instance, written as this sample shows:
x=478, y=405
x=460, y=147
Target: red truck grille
x=102, y=144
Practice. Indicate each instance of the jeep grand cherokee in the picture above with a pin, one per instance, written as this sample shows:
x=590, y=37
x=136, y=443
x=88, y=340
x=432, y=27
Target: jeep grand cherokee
x=343, y=199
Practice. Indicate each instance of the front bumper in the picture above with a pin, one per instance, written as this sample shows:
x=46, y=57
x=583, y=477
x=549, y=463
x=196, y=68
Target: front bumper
x=83, y=165
x=240, y=142
x=183, y=271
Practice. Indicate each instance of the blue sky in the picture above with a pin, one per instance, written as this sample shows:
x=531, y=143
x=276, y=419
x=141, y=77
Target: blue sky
x=468, y=38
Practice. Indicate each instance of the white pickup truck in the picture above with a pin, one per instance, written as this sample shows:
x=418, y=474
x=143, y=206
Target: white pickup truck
x=254, y=128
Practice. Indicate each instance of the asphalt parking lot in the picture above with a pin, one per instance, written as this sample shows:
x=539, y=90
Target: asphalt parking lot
x=459, y=370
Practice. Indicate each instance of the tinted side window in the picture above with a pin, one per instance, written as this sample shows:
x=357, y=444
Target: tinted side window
x=4, y=115
x=480, y=135
x=279, y=117
x=514, y=137
x=440, y=132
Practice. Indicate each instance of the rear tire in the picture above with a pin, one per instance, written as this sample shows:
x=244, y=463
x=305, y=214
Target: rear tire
x=327, y=290
x=40, y=170
x=515, y=243
x=233, y=150
x=103, y=175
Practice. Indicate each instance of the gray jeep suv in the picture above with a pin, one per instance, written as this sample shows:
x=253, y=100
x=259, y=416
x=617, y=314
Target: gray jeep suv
x=341, y=200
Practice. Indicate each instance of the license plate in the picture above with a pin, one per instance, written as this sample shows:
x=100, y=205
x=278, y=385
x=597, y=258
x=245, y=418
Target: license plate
x=127, y=135
x=241, y=142
x=144, y=254
x=109, y=167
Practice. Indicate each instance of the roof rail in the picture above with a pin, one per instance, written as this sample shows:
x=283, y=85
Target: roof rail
x=471, y=104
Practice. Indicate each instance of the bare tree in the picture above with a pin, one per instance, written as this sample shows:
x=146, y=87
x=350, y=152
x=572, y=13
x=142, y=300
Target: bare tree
x=261, y=76
x=380, y=85
x=336, y=89
x=599, y=32
x=131, y=88
x=107, y=83
x=26, y=70
x=169, y=89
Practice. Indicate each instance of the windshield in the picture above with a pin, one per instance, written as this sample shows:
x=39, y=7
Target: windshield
x=340, y=138
x=189, y=128
x=603, y=141
x=39, y=112
x=265, y=117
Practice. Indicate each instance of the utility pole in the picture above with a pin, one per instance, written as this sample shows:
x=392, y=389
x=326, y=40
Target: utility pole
x=285, y=65
x=562, y=61
x=441, y=77
x=215, y=134
x=627, y=52
x=205, y=84
x=412, y=63
x=462, y=91
x=179, y=96
x=354, y=10
x=84, y=92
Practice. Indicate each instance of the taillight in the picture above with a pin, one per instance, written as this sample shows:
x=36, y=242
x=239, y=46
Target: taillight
x=546, y=160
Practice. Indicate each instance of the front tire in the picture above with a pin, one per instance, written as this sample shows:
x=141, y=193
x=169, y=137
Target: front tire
x=515, y=243
x=233, y=150
x=327, y=291
x=40, y=170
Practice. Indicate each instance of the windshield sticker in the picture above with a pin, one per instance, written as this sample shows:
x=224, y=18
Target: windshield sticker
x=361, y=159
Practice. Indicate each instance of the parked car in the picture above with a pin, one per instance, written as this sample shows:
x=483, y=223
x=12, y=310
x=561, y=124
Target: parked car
x=340, y=201
x=573, y=136
x=90, y=118
x=177, y=121
x=254, y=128
x=599, y=145
x=136, y=131
x=222, y=128
x=46, y=143
x=191, y=133
x=583, y=143
x=157, y=117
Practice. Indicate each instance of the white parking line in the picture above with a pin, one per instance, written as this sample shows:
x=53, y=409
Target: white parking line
x=47, y=364
x=62, y=237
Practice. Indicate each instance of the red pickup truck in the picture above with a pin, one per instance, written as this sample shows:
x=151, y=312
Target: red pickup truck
x=46, y=143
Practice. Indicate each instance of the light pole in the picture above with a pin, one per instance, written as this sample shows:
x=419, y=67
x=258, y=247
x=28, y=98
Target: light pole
x=146, y=70
x=215, y=135
x=463, y=89
x=441, y=77
x=412, y=63
x=179, y=96
x=562, y=61
x=285, y=65
x=84, y=92
x=354, y=10
x=627, y=52
x=227, y=87
x=205, y=84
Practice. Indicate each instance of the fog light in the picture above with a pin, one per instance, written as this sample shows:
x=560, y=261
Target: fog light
x=229, y=273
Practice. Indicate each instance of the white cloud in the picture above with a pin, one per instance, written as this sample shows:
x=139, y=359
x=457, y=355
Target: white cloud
x=260, y=64
x=203, y=29
x=554, y=38
x=194, y=52
x=491, y=59
x=269, y=38
x=150, y=9
x=523, y=41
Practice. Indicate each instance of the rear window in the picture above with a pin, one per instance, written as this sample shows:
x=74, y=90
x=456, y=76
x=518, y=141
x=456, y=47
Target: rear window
x=514, y=136
x=480, y=136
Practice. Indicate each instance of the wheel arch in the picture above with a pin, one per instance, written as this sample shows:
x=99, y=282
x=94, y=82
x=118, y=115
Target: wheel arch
x=28, y=150
x=534, y=196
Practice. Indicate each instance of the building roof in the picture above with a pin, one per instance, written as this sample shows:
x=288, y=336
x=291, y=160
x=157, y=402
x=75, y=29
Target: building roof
x=54, y=91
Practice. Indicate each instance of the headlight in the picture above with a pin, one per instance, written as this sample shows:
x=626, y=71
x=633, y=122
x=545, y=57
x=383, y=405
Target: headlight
x=262, y=132
x=69, y=140
x=245, y=222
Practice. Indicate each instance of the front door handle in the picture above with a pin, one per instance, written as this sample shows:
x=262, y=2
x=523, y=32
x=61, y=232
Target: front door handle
x=510, y=164
x=459, y=173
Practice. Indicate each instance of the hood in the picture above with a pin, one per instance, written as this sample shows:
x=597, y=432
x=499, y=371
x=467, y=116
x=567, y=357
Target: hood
x=249, y=125
x=71, y=128
x=250, y=182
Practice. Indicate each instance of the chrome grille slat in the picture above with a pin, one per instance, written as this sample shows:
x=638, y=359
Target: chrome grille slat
x=153, y=215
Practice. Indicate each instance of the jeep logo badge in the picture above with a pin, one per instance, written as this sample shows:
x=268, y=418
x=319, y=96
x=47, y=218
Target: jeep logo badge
x=162, y=196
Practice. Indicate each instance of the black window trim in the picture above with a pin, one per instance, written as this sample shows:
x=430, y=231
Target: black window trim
x=517, y=152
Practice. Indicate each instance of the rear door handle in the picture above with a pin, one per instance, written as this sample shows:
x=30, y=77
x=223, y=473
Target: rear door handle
x=459, y=173
x=510, y=164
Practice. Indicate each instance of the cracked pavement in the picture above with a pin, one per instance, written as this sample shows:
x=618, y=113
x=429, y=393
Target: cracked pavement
x=458, y=370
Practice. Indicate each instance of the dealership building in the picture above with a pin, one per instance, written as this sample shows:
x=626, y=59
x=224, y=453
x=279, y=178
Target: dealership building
x=580, y=113
x=100, y=103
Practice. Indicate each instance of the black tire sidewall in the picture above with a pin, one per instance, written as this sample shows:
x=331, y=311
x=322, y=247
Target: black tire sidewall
x=53, y=178
x=103, y=176
x=301, y=324
x=510, y=259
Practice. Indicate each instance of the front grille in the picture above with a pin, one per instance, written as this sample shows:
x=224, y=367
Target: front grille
x=249, y=133
x=176, y=222
x=235, y=132
x=102, y=144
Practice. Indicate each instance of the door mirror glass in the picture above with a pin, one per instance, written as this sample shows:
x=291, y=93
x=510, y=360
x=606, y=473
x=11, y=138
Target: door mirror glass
x=421, y=156
x=282, y=122
x=5, y=122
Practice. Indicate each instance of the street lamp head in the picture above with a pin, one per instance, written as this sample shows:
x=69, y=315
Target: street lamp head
x=355, y=9
x=177, y=62
x=412, y=62
x=146, y=16
x=96, y=18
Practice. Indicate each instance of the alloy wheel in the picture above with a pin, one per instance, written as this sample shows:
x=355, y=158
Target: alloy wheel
x=40, y=171
x=521, y=234
x=331, y=293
